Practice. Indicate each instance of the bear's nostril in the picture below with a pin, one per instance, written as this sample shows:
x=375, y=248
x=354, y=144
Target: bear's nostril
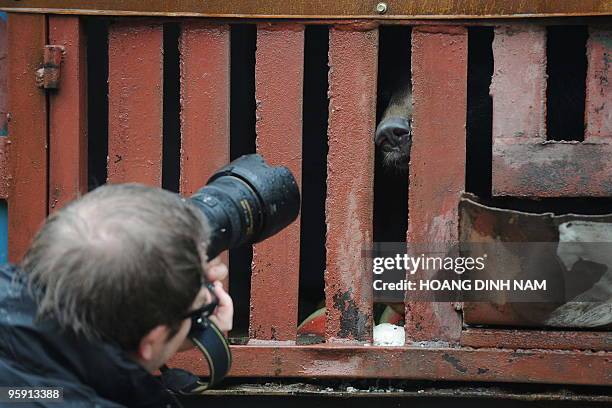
x=400, y=131
x=393, y=130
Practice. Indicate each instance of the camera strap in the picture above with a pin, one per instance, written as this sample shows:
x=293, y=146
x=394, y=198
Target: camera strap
x=212, y=343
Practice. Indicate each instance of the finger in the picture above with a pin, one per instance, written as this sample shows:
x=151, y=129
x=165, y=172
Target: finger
x=223, y=297
x=216, y=270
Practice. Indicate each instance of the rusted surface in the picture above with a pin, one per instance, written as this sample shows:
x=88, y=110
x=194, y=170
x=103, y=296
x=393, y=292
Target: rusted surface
x=68, y=115
x=416, y=363
x=437, y=165
x=535, y=339
x=4, y=146
x=525, y=164
x=204, y=50
x=48, y=76
x=341, y=8
x=4, y=168
x=598, y=109
x=492, y=314
x=28, y=132
x=350, y=167
x=390, y=392
x=480, y=223
x=4, y=78
x=135, y=87
x=533, y=167
x=205, y=102
x=518, y=85
x=279, y=73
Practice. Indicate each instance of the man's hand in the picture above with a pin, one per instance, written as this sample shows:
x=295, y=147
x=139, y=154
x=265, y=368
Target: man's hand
x=224, y=313
x=215, y=271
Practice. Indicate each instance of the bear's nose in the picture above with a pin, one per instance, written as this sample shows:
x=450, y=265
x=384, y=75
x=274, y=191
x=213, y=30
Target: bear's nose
x=393, y=130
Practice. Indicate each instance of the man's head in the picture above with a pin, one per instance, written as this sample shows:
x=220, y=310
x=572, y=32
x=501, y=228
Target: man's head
x=123, y=264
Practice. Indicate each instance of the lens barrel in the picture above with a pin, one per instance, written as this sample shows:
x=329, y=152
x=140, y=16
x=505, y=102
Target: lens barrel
x=247, y=201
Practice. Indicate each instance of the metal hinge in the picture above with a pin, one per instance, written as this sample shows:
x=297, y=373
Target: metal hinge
x=48, y=75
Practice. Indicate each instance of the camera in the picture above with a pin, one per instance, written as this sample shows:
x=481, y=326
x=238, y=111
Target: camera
x=247, y=201
x=244, y=202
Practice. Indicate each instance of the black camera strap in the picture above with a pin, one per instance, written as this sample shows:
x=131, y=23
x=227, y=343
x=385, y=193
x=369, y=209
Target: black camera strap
x=212, y=343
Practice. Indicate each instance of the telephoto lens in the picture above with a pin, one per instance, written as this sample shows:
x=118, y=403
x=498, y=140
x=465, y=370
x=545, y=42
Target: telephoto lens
x=247, y=201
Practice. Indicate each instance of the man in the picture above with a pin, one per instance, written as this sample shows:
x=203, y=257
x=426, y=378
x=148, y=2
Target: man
x=99, y=301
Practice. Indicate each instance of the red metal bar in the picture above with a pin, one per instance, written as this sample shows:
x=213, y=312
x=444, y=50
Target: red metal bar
x=28, y=132
x=535, y=168
x=4, y=168
x=205, y=103
x=205, y=91
x=417, y=363
x=4, y=146
x=350, y=168
x=598, y=109
x=279, y=72
x=518, y=85
x=535, y=339
x=4, y=73
x=437, y=168
x=135, y=59
x=68, y=114
x=277, y=9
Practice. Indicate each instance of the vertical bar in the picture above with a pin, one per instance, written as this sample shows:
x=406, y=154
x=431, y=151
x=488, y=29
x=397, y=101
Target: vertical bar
x=28, y=132
x=348, y=209
x=279, y=73
x=205, y=128
x=205, y=87
x=518, y=85
x=4, y=67
x=4, y=167
x=518, y=89
x=437, y=167
x=68, y=114
x=598, y=110
x=205, y=102
x=4, y=158
x=135, y=90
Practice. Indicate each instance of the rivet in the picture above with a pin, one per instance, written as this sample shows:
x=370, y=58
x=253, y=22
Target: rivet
x=381, y=8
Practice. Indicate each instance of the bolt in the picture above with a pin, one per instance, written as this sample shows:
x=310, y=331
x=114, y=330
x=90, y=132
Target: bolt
x=381, y=8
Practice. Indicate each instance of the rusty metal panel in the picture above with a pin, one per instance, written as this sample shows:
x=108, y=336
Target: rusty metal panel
x=530, y=167
x=536, y=339
x=279, y=73
x=418, y=363
x=481, y=223
x=317, y=9
x=28, y=132
x=68, y=114
x=525, y=164
x=350, y=167
x=135, y=89
x=598, y=111
x=205, y=104
x=437, y=166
